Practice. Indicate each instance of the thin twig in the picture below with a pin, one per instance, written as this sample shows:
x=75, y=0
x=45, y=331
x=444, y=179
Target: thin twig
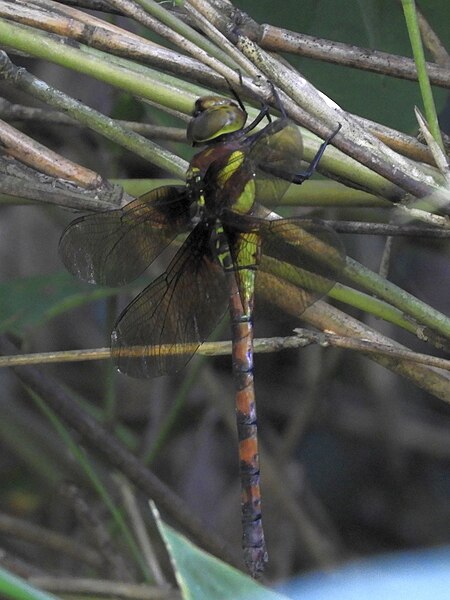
x=359, y=227
x=261, y=345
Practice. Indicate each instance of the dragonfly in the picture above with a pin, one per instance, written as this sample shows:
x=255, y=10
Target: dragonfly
x=216, y=267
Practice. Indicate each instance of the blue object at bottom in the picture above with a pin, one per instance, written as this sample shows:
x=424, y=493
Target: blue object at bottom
x=423, y=575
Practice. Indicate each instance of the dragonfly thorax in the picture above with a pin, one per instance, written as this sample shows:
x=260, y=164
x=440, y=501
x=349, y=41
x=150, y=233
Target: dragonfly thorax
x=220, y=178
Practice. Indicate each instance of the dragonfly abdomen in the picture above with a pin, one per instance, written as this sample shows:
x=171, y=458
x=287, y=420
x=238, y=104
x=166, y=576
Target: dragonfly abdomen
x=240, y=275
x=253, y=543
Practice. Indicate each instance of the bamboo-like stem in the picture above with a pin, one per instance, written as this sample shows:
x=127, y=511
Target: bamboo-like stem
x=88, y=116
x=36, y=155
x=78, y=26
x=126, y=74
x=19, y=112
x=276, y=39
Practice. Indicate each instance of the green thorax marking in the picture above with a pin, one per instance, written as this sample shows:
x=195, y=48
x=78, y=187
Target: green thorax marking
x=221, y=178
x=241, y=254
x=236, y=183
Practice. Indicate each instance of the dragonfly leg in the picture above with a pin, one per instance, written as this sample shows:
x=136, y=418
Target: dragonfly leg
x=299, y=178
x=264, y=112
x=278, y=102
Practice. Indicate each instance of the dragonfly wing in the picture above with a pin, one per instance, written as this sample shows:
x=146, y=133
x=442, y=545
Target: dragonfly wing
x=116, y=246
x=277, y=158
x=304, y=252
x=162, y=328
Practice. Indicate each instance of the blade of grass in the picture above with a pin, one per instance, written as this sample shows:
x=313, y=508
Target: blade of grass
x=409, y=9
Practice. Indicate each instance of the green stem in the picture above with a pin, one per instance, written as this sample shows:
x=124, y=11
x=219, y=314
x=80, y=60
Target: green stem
x=371, y=305
x=412, y=24
x=104, y=125
x=316, y=193
x=174, y=24
x=125, y=74
x=407, y=303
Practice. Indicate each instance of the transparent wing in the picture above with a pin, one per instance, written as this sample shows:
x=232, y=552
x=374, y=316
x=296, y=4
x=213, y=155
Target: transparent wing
x=163, y=327
x=303, y=252
x=116, y=246
x=277, y=158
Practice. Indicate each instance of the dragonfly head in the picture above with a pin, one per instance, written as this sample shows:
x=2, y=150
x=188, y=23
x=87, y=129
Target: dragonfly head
x=214, y=117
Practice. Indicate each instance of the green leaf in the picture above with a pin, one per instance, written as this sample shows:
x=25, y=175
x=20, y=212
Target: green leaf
x=32, y=301
x=12, y=587
x=201, y=576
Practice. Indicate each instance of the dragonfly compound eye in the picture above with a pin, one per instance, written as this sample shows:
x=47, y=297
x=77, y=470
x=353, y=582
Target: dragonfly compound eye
x=214, y=117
